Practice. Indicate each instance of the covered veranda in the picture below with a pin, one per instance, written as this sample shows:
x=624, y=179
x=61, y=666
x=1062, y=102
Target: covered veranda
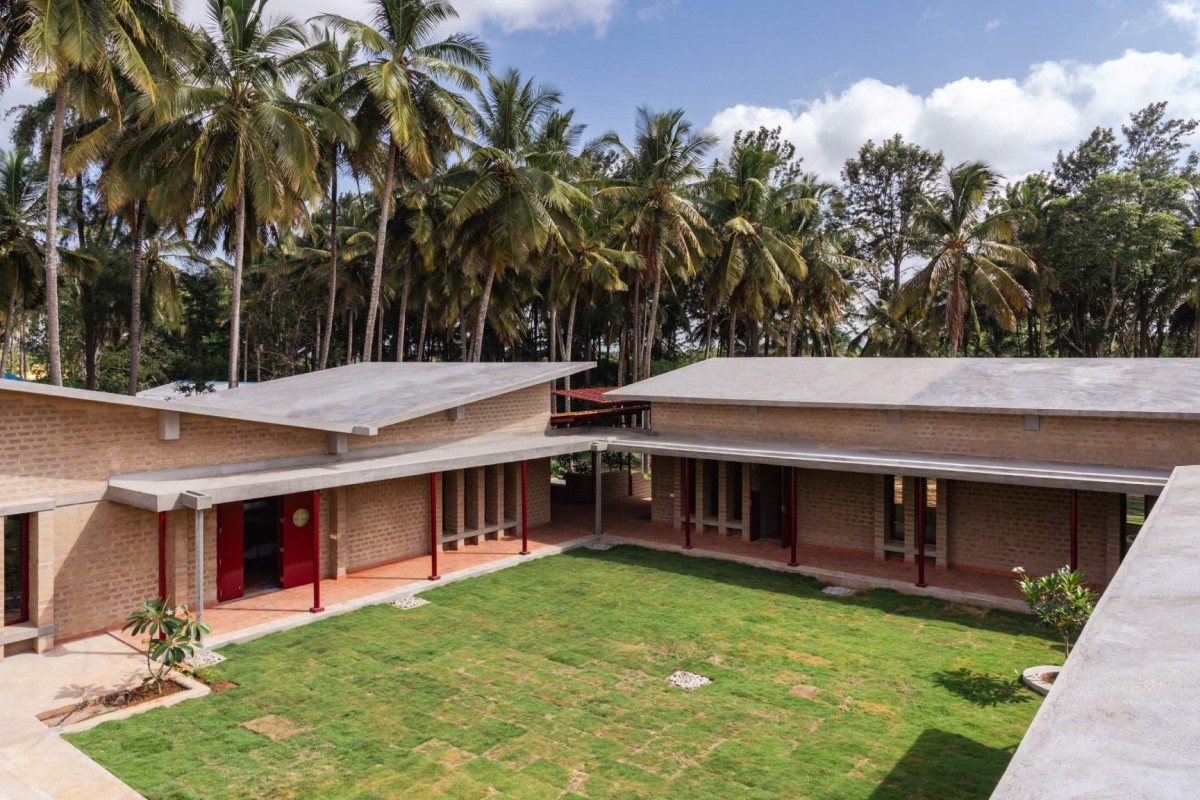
x=693, y=532
x=489, y=473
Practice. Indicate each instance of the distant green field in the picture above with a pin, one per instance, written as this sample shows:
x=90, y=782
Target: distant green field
x=549, y=680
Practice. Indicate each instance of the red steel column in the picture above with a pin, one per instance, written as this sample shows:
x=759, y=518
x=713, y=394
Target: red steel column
x=162, y=555
x=687, y=504
x=433, y=528
x=524, y=508
x=793, y=521
x=316, y=521
x=922, y=490
x=1074, y=529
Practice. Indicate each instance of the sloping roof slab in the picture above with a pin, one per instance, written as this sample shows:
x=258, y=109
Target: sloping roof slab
x=362, y=398
x=1089, y=477
x=163, y=491
x=1093, y=387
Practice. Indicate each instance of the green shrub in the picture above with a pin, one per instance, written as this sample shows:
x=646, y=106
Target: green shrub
x=1061, y=601
x=172, y=635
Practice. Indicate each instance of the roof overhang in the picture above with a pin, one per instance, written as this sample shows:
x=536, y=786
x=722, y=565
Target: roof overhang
x=1089, y=477
x=164, y=491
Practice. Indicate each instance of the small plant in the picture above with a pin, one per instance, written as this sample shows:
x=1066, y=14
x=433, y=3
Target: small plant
x=1060, y=600
x=172, y=634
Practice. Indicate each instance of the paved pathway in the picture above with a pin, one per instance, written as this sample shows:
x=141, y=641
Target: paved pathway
x=35, y=762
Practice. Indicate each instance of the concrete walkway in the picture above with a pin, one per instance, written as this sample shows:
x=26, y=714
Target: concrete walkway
x=35, y=762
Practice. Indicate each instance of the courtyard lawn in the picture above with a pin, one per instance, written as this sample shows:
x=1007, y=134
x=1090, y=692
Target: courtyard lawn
x=548, y=680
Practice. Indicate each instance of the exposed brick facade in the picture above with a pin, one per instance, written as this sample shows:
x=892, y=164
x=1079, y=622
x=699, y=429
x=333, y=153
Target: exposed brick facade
x=1149, y=443
x=94, y=561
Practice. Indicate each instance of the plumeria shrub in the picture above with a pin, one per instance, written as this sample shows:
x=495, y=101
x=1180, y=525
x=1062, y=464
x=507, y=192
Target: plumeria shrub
x=1061, y=601
x=172, y=635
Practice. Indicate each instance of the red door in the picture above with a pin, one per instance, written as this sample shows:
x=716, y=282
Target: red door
x=230, y=551
x=296, y=542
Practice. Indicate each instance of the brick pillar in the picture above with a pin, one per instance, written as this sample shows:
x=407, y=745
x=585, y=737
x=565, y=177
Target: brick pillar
x=453, y=507
x=746, y=511
x=512, y=498
x=723, y=485
x=1114, y=528
x=672, y=469
x=493, y=501
x=474, y=495
x=179, y=543
x=945, y=490
x=884, y=484
x=339, y=539
x=701, y=500
x=41, y=577
x=910, y=520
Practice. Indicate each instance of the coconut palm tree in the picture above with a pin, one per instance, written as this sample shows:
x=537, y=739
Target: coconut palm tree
x=96, y=41
x=973, y=254
x=333, y=61
x=760, y=254
x=242, y=144
x=512, y=205
x=14, y=22
x=403, y=90
x=655, y=184
x=22, y=209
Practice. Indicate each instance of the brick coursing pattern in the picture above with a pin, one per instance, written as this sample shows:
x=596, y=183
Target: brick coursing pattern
x=997, y=527
x=106, y=563
x=387, y=521
x=1145, y=443
x=836, y=509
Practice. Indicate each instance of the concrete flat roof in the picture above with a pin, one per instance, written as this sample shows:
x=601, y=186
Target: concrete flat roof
x=362, y=398
x=1123, y=717
x=1085, y=477
x=1103, y=387
x=163, y=490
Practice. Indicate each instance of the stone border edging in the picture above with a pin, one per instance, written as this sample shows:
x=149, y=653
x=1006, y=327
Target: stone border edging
x=195, y=689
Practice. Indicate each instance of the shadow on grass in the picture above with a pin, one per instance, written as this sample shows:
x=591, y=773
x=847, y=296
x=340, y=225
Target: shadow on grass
x=980, y=689
x=802, y=586
x=944, y=765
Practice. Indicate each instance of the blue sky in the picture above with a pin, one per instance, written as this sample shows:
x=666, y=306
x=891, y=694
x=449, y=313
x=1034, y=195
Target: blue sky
x=1009, y=82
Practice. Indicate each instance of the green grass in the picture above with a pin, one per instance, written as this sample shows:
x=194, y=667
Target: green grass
x=548, y=680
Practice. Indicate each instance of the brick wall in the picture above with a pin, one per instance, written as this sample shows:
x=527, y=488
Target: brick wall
x=106, y=563
x=386, y=521
x=527, y=410
x=836, y=509
x=999, y=527
x=1162, y=444
x=56, y=446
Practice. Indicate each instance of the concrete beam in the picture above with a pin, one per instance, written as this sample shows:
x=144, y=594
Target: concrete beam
x=339, y=444
x=168, y=425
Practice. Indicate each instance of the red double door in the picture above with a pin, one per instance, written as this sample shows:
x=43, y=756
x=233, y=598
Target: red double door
x=297, y=518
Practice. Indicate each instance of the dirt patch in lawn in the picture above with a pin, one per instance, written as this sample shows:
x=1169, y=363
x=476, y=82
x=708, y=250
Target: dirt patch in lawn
x=274, y=727
x=113, y=701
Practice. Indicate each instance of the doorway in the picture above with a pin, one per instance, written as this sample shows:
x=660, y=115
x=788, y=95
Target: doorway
x=265, y=544
x=260, y=545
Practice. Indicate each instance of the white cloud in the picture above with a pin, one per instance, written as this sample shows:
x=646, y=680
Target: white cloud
x=548, y=16
x=507, y=16
x=1185, y=13
x=992, y=24
x=1015, y=124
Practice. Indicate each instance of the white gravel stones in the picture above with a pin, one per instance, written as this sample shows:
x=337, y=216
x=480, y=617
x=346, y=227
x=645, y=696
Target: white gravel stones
x=837, y=591
x=687, y=680
x=409, y=601
x=598, y=545
x=203, y=657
